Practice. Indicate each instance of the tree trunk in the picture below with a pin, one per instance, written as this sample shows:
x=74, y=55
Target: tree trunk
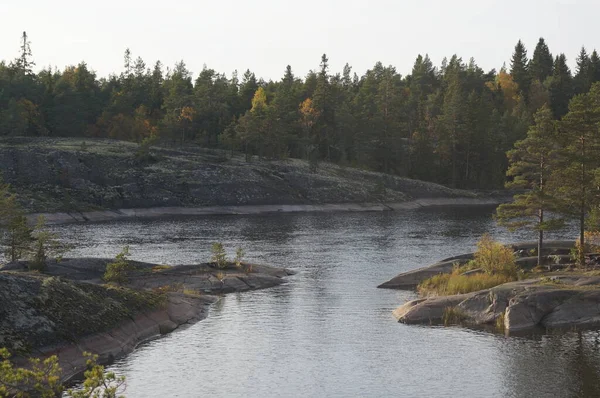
x=582, y=234
x=540, y=239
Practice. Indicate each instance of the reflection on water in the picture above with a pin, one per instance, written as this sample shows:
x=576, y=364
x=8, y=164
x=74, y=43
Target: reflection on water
x=329, y=332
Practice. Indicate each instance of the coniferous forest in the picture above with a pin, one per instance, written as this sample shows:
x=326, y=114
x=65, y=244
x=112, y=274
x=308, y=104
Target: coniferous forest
x=451, y=124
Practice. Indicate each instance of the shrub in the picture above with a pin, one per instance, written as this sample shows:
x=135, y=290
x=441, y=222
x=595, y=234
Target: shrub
x=45, y=244
x=494, y=258
x=219, y=257
x=239, y=254
x=117, y=271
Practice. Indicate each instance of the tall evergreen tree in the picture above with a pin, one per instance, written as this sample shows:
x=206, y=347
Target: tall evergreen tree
x=560, y=87
x=530, y=167
x=583, y=74
x=542, y=62
x=24, y=62
x=519, y=68
x=579, y=157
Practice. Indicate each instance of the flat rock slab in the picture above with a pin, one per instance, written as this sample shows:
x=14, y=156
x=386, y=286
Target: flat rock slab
x=569, y=301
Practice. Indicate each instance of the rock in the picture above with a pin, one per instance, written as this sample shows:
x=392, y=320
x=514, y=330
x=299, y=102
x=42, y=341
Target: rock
x=55, y=175
x=66, y=311
x=411, y=279
x=524, y=305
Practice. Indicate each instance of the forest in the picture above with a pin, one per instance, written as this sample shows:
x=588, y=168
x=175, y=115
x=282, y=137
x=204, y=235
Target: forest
x=451, y=124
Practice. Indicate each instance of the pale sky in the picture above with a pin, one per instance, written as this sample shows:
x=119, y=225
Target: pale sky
x=267, y=35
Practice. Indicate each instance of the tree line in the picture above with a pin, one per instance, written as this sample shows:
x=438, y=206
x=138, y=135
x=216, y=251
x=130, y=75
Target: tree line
x=450, y=124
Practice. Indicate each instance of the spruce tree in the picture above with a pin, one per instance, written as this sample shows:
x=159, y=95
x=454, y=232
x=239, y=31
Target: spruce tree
x=24, y=62
x=594, y=67
x=560, y=87
x=583, y=79
x=530, y=166
x=519, y=68
x=542, y=63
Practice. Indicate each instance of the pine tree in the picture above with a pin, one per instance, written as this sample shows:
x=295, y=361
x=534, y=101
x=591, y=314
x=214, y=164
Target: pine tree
x=578, y=159
x=530, y=166
x=519, y=68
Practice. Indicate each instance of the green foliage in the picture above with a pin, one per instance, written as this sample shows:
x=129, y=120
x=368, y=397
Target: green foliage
x=9, y=206
x=496, y=262
x=450, y=124
x=42, y=379
x=45, y=244
x=143, y=153
x=239, y=255
x=494, y=258
x=39, y=379
x=117, y=271
x=219, y=256
x=18, y=238
x=531, y=163
x=98, y=383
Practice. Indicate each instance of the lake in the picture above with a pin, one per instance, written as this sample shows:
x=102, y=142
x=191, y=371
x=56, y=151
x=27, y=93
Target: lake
x=329, y=332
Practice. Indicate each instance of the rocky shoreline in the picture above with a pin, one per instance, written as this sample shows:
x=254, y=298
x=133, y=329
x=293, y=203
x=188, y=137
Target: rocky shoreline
x=166, y=212
x=100, y=179
x=67, y=310
x=557, y=299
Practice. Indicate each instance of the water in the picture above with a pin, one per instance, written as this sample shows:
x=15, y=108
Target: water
x=329, y=332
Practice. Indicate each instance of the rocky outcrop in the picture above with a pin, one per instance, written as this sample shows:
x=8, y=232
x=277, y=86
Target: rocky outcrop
x=67, y=311
x=178, y=311
x=563, y=301
x=411, y=279
x=64, y=175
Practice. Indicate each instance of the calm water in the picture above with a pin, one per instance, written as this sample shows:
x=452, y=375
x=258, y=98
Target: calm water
x=329, y=332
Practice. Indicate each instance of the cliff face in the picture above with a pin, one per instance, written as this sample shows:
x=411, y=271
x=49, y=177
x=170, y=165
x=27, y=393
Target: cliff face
x=54, y=175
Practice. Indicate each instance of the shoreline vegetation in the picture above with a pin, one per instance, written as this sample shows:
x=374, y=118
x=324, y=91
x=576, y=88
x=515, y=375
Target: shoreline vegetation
x=503, y=289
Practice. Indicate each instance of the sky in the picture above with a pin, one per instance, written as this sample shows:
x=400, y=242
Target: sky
x=266, y=35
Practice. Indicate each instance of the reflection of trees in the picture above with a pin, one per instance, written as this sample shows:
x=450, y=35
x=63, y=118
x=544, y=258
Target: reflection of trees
x=556, y=365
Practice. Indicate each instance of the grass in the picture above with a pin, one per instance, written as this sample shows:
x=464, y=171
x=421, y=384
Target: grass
x=453, y=316
x=497, y=265
x=455, y=283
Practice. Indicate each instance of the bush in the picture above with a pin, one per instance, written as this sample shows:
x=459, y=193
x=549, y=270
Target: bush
x=45, y=244
x=118, y=271
x=239, y=255
x=494, y=258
